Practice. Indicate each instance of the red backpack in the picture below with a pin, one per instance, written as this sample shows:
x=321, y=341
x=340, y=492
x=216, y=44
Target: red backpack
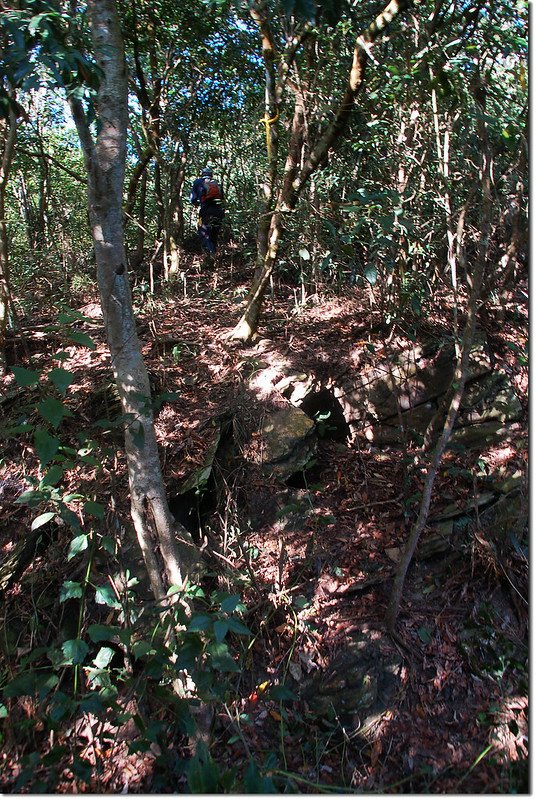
x=211, y=192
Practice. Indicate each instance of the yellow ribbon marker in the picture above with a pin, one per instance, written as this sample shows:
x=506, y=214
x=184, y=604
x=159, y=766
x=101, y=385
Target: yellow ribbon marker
x=267, y=122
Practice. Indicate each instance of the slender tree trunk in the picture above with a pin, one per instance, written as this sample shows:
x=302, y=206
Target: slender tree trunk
x=176, y=211
x=8, y=135
x=443, y=160
x=168, y=550
x=136, y=256
x=510, y=259
x=140, y=170
x=290, y=192
x=259, y=13
x=460, y=375
x=247, y=326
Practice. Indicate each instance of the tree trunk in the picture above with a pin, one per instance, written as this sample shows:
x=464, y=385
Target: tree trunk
x=176, y=211
x=168, y=550
x=460, y=375
x=8, y=135
x=137, y=255
x=247, y=326
x=293, y=184
x=259, y=14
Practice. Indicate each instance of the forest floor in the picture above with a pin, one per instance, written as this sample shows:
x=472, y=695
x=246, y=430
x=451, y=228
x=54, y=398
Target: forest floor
x=457, y=722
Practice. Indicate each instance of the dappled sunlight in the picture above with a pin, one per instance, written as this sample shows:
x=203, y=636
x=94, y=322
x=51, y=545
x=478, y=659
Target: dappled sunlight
x=318, y=552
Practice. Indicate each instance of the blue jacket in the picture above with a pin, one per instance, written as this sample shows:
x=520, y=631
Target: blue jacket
x=196, y=194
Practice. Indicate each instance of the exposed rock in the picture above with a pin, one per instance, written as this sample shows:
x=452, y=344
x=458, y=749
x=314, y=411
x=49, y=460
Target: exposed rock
x=453, y=510
x=199, y=478
x=480, y=435
x=411, y=378
x=286, y=442
x=296, y=387
x=515, y=481
x=284, y=511
x=406, y=388
x=507, y=517
x=18, y=557
x=490, y=398
x=415, y=423
x=439, y=540
x=359, y=684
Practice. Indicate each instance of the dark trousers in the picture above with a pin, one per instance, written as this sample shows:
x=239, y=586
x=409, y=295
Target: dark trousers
x=210, y=219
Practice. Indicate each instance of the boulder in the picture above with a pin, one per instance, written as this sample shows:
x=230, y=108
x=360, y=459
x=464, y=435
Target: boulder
x=479, y=435
x=409, y=379
x=359, y=684
x=286, y=443
x=491, y=398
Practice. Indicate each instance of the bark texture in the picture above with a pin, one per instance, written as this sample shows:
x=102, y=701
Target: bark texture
x=8, y=135
x=168, y=550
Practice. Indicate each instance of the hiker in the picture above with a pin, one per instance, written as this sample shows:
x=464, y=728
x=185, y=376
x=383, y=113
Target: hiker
x=207, y=195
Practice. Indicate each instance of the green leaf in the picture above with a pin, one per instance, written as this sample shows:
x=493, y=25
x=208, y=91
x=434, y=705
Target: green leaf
x=53, y=475
x=7, y=432
x=42, y=519
x=25, y=377
x=103, y=657
x=3, y=711
x=92, y=703
x=231, y=603
x=61, y=707
x=102, y=632
x=221, y=659
x=81, y=768
x=141, y=648
x=46, y=445
x=53, y=410
x=70, y=517
x=94, y=509
x=199, y=622
x=188, y=653
x=61, y=378
x=281, y=692
x=30, y=498
x=237, y=627
x=69, y=316
x=254, y=783
x=221, y=628
x=108, y=544
x=424, y=635
x=70, y=590
x=77, y=545
x=81, y=338
x=22, y=685
x=75, y=651
x=105, y=595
